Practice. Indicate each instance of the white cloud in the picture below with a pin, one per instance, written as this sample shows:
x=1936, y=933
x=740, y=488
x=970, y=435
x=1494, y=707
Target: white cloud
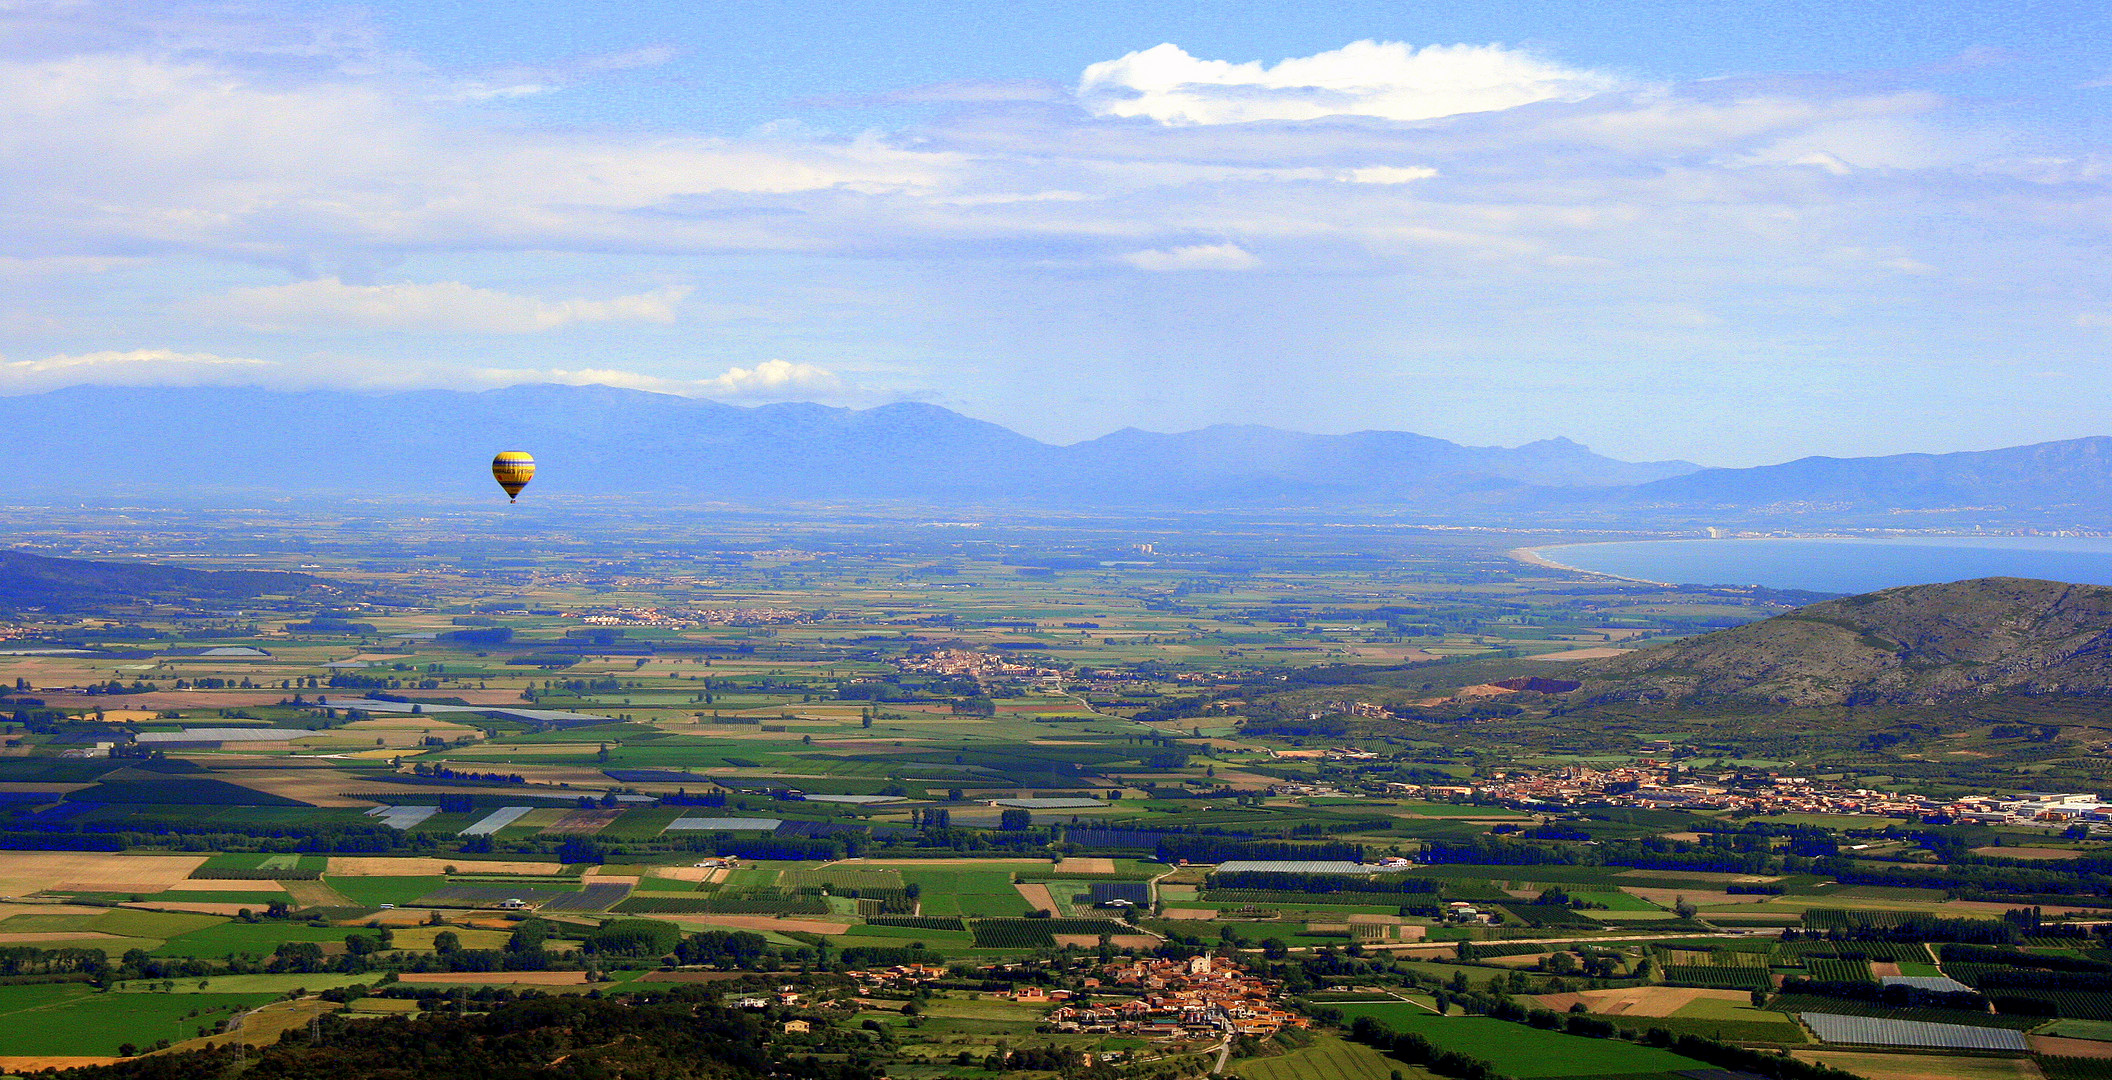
x=137, y=367
x=770, y=380
x=1391, y=174
x=1193, y=257
x=1387, y=79
x=446, y=306
x=774, y=378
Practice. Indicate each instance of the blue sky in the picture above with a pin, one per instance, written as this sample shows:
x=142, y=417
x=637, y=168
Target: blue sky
x=1733, y=233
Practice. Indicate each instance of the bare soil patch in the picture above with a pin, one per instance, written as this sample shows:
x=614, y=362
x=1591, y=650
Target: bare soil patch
x=1522, y=960
x=1120, y=941
x=1037, y=896
x=2029, y=852
x=1641, y=1000
x=2064, y=1047
x=1192, y=914
x=25, y=872
x=317, y=894
x=585, y=821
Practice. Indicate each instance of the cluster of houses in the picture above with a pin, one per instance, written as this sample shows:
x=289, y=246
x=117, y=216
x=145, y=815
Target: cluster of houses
x=1651, y=783
x=1198, y=996
x=980, y=666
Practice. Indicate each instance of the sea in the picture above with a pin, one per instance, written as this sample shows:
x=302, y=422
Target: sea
x=1845, y=565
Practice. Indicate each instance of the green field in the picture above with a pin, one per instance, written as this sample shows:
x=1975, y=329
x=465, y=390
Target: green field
x=74, y=1019
x=1521, y=1051
x=974, y=893
x=375, y=891
x=1329, y=1058
x=258, y=938
x=247, y=984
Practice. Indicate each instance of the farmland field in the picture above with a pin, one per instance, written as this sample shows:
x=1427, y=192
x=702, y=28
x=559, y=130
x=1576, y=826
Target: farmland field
x=1328, y=1058
x=1521, y=1051
x=75, y=1020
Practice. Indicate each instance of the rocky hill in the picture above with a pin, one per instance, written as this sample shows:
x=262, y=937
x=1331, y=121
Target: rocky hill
x=1911, y=645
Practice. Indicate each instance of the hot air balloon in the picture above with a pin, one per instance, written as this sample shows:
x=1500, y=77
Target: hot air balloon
x=513, y=469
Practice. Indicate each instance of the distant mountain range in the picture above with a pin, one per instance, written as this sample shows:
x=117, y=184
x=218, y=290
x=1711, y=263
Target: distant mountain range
x=1920, y=644
x=211, y=442
x=596, y=439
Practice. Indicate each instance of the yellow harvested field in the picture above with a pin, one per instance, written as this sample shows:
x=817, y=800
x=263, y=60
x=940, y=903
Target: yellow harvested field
x=25, y=872
x=8, y=911
x=123, y=716
x=319, y=787
x=420, y=938
x=428, y=724
x=1086, y=866
x=263, y=1025
x=497, y=978
x=415, y=866
x=686, y=873
x=1038, y=897
x=754, y=922
x=1873, y=1066
x=25, y=1065
x=227, y=885
x=193, y=907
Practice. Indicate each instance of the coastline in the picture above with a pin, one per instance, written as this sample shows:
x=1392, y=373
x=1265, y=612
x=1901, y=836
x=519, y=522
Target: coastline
x=1532, y=557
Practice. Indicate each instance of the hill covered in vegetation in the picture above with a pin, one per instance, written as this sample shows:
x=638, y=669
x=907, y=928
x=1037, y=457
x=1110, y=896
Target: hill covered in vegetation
x=40, y=581
x=1919, y=644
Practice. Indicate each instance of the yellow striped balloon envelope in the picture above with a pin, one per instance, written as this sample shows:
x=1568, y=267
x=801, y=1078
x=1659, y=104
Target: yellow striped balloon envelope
x=513, y=469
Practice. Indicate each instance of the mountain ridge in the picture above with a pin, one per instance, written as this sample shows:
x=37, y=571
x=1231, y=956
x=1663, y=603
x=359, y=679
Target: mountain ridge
x=1916, y=644
x=610, y=441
